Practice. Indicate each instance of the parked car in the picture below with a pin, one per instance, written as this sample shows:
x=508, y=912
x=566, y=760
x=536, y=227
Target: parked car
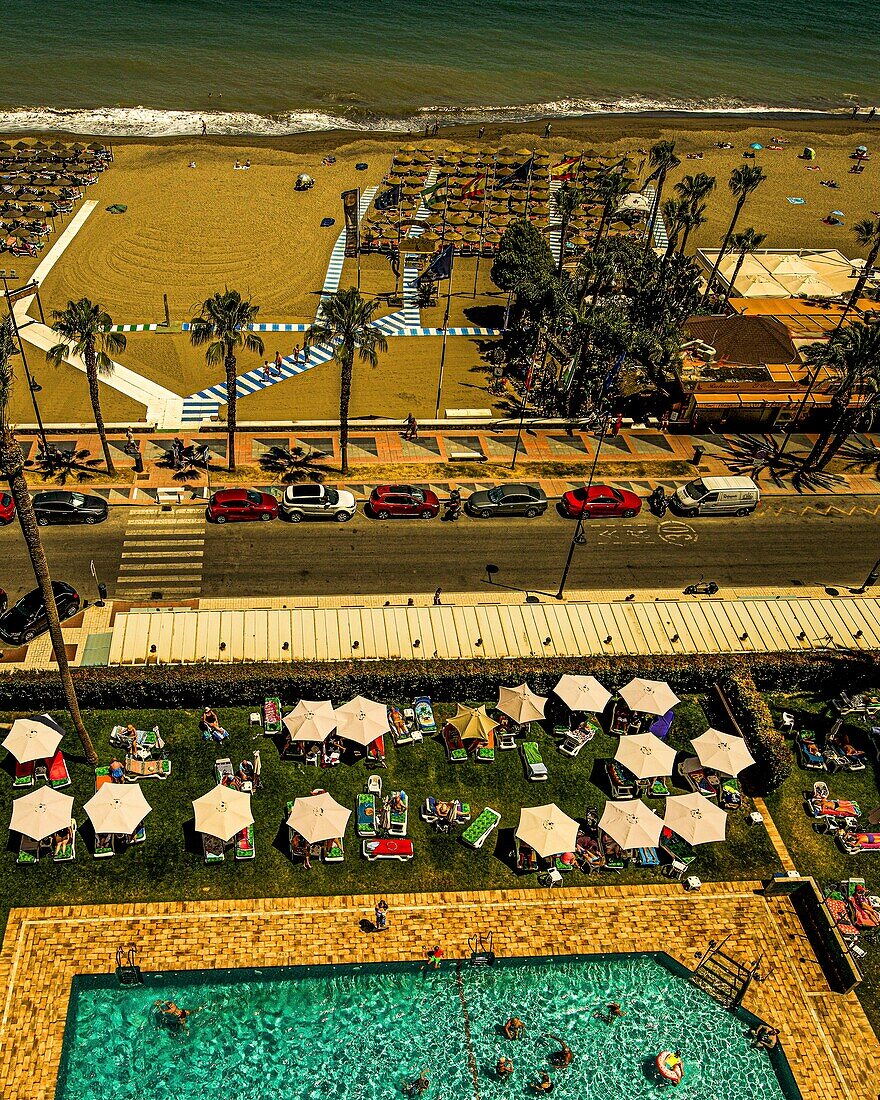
x=716, y=496
x=7, y=509
x=403, y=500
x=601, y=500
x=26, y=619
x=235, y=505
x=68, y=506
x=317, y=502
x=512, y=499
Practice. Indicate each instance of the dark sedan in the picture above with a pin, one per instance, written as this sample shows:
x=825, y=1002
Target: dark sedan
x=507, y=500
x=67, y=506
x=26, y=619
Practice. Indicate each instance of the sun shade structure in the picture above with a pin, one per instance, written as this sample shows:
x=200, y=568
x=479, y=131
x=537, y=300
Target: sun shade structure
x=310, y=720
x=117, y=808
x=33, y=738
x=582, y=693
x=695, y=819
x=521, y=704
x=41, y=813
x=318, y=817
x=362, y=720
x=645, y=755
x=632, y=824
x=723, y=752
x=547, y=829
x=473, y=723
x=223, y=812
x=649, y=696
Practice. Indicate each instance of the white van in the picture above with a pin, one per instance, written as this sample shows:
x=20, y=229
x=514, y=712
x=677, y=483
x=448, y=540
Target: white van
x=717, y=496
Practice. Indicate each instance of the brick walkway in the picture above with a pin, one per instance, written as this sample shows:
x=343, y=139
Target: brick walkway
x=827, y=1038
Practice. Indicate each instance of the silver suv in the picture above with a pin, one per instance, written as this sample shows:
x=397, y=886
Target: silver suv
x=317, y=502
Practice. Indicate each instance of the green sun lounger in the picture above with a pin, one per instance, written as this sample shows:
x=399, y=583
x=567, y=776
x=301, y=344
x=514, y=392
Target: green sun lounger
x=455, y=750
x=366, y=815
x=24, y=775
x=333, y=851
x=213, y=848
x=485, y=753
x=67, y=852
x=104, y=846
x=28, y=851
x=397, y=819
x=536, y=769
x=476, y=834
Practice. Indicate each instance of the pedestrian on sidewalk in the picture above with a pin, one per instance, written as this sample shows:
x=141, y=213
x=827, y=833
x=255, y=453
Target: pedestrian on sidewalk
x=411, y=428
x=295, y=354
x=382, y=916
x=279, y=363
x=437, y=597
x=664, y=422
x=618, y=424
x=177, y=452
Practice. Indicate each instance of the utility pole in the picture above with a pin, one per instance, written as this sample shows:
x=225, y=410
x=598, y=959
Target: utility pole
x=579, y=538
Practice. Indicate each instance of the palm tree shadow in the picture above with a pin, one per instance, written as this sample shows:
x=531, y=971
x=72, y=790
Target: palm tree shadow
x=63, y=466
x=292, y=464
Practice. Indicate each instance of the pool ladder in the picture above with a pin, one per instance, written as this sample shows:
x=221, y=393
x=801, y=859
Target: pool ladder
x=481, y=950
x=127, y=971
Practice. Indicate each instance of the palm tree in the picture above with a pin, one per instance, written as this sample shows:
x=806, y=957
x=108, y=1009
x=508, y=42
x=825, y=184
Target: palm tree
x=223, y=325
x=696, y=216
x=693, y=190
x=750, y=240
x=662, y=159
x=566, y=202
x=742, y=183
x=346, y=324
x=676, y=215
x=86, y=330
x=610, y=188
x=867, y=234
x=12, y=466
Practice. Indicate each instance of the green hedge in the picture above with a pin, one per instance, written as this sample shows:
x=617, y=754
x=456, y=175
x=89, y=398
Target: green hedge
x=773, y=755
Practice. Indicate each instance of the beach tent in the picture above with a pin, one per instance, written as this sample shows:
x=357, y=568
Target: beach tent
x=808, y=153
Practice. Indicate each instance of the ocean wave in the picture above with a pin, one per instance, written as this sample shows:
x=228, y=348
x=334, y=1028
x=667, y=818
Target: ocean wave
x=153, y=122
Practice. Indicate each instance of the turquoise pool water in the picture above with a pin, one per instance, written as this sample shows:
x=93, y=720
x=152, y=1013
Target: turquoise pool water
x=363, y=1033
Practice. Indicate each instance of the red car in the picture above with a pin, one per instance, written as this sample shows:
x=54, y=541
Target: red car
x=403, y=500
x=7, y=509
x=601, y=500
x=231, y=505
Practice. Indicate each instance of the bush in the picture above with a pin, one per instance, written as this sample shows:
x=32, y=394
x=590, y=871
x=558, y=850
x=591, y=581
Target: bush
x=773, y=755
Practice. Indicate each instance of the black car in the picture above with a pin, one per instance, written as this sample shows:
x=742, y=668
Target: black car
x=26, y=619
x=507, y=500
x=67, y=506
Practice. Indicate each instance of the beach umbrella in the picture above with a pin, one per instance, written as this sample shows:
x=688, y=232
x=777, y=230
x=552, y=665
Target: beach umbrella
x=636, y=202
x=632, y=824
x=756, y=145
x=759, y=286
x=362, y=720
x=4, y=147
x=22, y=147
x=223, y=812
x=695, y=819
x=547, y=830
x=41, y=813
x=811, y=285
x=473, y=723
x=310, y=720
x=582, y=693
x=318, y=817
x=649, y=696
x=117, y=808
x=521, y=703
x=722, y=752
x=34, y=738
x=645, y=755
x=472, y=237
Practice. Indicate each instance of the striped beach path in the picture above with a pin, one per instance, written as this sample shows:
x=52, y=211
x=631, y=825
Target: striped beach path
x=411, y=314
x=661, y=240
x=337, y=256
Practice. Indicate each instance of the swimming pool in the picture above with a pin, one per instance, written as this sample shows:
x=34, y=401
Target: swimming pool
x=364, y=1032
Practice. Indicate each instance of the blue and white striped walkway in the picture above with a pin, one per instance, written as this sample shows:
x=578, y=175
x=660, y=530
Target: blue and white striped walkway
x=554, y=237
x=411, y=314
x=661, y=240
x=337, y=256
x=137, y=328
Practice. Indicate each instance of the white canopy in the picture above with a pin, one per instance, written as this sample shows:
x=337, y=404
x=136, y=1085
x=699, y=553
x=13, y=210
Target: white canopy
x=42, y=813
x=695, y=819
x=318, y=817
x=310, y=720
x=521, y=703
x=645, y=755
x=223, y=812
x=649, y=696
x=362, y=720
x=117, y=808
x=582, y=693
x=632, y=824
x=547, y=829
x=33, y=738
x=722, y=752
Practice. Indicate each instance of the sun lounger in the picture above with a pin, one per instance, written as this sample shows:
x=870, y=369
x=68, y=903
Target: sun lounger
x=477, y=833
x=214, y=849
x=654, y=788
x=589, y=852
x=412, y=725
x=575, y=739
x=525, y=857
x=436, y=811
x=330, y=755
x=507, y=732
x=808, y=751
x=661, y=726
x=376, y=754
x=245, y=846
x=388, y=849
x=67, y=852
x=864, y=911
x=147, y=741
x=485, y=751
x=853, y=842
x=58, y=774
x=615, y=859
x=425, y=714
x=24, y=775
x=397, y=818
x=729, y=794
x=620, y=779
x=28, y=851
x=646, y=857
x=831, y=807
x=146, y=769
x=536, y=769
x=366, y=815
x=223, y=771
x=676, y=847
x=839, y=911
x=456, y=753
x=272, y=715
x=104, y=847
x=623, y=720
x=397, y=724
x=698, y=778
x=564, y=862
x=334, y=850
x=841, y=753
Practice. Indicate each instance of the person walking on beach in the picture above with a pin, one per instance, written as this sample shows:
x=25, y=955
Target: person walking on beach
x=204, y=127
x=482, y=131
x=547, y=129
x=279, y=362
x=295, y=353
x=617, y=425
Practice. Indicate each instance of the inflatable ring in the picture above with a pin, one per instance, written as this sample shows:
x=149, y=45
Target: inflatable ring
x=670, y=1066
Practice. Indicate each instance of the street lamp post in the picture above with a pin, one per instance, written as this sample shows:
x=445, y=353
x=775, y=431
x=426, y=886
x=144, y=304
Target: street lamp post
x=32, y=385
x=871, y=578
x=579, y=538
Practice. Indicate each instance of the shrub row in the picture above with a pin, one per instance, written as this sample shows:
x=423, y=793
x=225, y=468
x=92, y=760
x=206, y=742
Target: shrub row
x=772, y=753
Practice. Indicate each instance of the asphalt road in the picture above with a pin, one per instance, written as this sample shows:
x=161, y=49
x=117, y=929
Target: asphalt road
x=790, y=541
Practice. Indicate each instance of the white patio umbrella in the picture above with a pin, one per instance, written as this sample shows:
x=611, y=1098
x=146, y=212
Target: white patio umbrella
x=632, y=824
x=645, y=755
x=223, y=812
x=809, y=285
x=362, y=720
x=641, y=204
x=41, y=813
x=33, y=738
x=310, y=720
x=318, y=817
x=722, y=752
x=695, y=819
x=117, y=808
x=521, y=704
x=649, y=696
x=547, y=829
x=582, y=693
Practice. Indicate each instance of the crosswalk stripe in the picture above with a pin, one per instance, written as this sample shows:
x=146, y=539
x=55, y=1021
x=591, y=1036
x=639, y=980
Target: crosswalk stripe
x=166, y=555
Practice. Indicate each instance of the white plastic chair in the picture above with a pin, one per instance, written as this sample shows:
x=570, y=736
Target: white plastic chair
x=374, y=784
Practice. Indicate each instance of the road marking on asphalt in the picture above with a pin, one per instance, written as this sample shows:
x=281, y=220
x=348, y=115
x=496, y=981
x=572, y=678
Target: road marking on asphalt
x=162, y=550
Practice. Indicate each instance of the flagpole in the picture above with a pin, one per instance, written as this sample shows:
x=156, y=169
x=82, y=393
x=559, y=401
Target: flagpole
x=522, y=409
x=483, y=227
x=445, y=333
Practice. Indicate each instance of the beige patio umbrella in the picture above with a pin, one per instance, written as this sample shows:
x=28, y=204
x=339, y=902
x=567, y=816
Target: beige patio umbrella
x=632, y=824
x=223, y=812
x=547, y=829
x=33, y=738
x=473, y=723
x=521, y=703
x=41, y=813
x=318, y=817
x=582, y=693
x=695, y=819
x=362, y=720
x=645, y=755
x=310, y=720
x=117, y=808
x=648, y=696
x=722, y=752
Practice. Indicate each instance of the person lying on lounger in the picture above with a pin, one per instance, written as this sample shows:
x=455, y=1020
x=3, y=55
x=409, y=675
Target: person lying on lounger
x=62, y=839
x=211, y=727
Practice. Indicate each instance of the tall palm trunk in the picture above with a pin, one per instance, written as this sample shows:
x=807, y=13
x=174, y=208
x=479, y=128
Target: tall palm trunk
x=231, y=406
x=732, y=283
x=736, y=212
x=860, y=283
x=345, y=373
x=91, y=362
x=684, y=239
x=12, y=462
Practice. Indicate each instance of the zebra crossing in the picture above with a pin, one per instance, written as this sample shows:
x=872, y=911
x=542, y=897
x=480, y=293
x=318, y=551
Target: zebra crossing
x=411, y=314
x=162, y=552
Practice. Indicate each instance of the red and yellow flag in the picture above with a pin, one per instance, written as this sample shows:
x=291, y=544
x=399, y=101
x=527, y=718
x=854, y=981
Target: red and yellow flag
x=562, y=170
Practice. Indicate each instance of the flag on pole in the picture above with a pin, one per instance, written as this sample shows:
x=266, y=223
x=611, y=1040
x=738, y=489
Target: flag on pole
x=613, y=374
x=439, y=268
x=430, y=193
x=521, y=173
x=562, y=170
x=475, y=187
x=387, y=199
